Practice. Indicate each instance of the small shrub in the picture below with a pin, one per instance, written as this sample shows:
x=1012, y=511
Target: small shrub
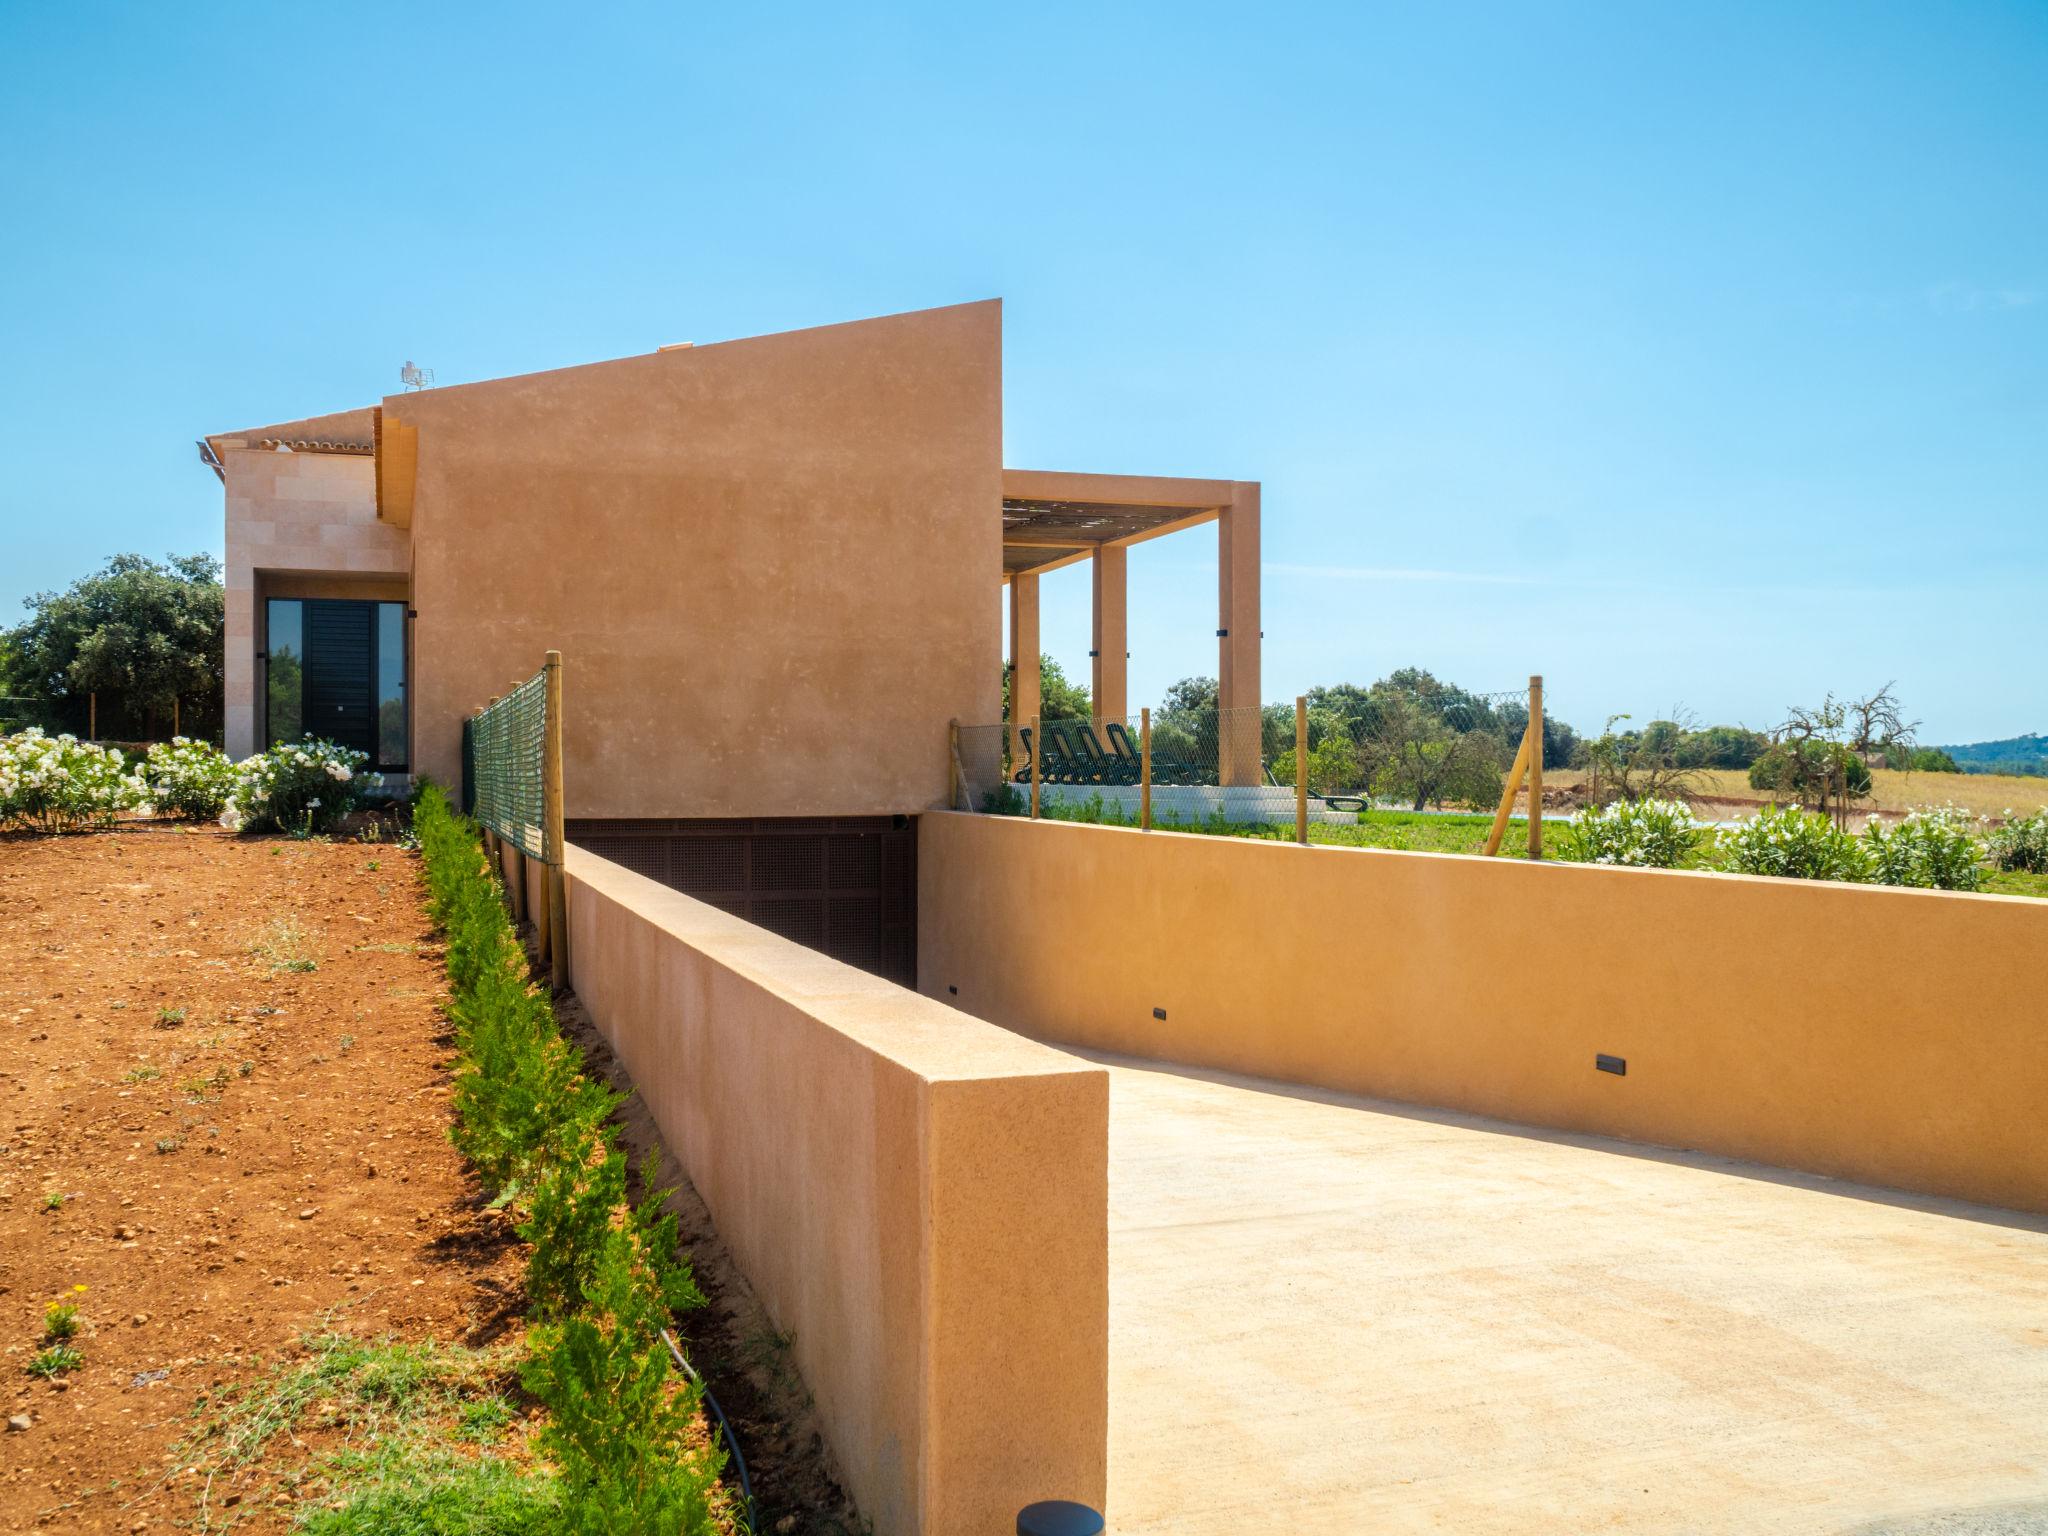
x=1795, y=844
x=303, y=788
x=169, y=1018
x=62, y=784
x=1932, y=849
x=2021, y=844
x=55, y=1361
x=189, y=778
x=1648, y=834
x=54, y=1200
x=60, y=1317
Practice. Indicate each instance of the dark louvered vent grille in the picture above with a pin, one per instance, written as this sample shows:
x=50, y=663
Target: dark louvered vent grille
x=845, y=885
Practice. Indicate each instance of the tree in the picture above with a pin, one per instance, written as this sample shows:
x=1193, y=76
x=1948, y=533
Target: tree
x=1877, y=723
x=1649, y=764
x=141, y=634
x=1421, y=758
x=1058, y=699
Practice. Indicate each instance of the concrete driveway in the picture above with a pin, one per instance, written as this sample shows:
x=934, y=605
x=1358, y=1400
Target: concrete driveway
x=1331, y=1314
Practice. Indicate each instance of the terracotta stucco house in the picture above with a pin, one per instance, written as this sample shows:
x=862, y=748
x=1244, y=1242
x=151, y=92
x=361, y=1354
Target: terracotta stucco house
x=771, y=565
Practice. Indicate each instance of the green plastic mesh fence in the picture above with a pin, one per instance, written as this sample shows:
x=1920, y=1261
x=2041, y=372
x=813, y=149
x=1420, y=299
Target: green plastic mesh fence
x=507, y=740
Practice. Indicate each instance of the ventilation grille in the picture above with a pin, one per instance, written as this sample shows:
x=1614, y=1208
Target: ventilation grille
x=844, y=885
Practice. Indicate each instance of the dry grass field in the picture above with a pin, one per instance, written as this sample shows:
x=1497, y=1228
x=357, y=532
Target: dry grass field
x=1984, y=794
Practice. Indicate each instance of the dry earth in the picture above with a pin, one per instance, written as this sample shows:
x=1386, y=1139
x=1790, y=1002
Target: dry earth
x=226, y=1056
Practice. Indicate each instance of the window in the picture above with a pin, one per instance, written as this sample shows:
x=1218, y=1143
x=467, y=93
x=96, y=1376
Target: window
x=391, y=685
x=336, y=670
x=285, y=695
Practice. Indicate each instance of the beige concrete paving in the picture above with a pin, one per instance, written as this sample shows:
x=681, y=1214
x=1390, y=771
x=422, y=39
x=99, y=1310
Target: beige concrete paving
x=1329, y=1314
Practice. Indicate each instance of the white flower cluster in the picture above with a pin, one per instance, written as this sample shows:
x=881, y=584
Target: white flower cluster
x=189, y=778
x=62, y=784
x=1643, y=834
x=301, y=787
x=2021, y=843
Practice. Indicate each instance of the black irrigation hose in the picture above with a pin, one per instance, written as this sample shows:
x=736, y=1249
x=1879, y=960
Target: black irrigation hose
x=731, y=1441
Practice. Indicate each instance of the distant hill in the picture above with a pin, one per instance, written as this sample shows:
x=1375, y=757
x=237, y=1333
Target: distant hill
x=2016, y=754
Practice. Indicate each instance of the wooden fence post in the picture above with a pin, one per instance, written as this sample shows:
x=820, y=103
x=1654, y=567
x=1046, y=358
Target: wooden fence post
x=1507, y=797
x=1037, y=757
x=174, y=714
x=92, y=716
x=1535, y=767
x=551, y=801
x=1145, y=769
x=1301, y=770
x=953, y=773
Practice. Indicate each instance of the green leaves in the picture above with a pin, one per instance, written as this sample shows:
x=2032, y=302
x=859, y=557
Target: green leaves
x=603, y=1275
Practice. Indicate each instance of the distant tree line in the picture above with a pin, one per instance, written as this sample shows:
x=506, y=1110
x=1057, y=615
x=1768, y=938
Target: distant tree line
x=143, y=635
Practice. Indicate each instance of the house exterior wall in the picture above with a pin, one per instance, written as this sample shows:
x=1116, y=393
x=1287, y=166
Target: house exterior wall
x=298, y=524
x=767, y=564
x=1861, y=1032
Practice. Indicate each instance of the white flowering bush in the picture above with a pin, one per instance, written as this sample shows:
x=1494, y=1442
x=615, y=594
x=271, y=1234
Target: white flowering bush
x=1934, y=848
x=189, y=778
x=301, y=788
x=1646, y=834
x=1799, y=845
x=2021, y=843
x=62, y=784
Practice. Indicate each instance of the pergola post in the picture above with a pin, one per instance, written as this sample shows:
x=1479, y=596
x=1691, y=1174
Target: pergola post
x=1110, y=688
x=1024, y=664
x=1237, y=632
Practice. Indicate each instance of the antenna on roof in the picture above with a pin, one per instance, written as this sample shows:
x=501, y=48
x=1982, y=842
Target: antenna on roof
x=413, y=376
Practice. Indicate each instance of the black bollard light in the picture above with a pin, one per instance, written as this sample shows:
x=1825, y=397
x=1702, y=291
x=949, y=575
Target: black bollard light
x=1058, y=1517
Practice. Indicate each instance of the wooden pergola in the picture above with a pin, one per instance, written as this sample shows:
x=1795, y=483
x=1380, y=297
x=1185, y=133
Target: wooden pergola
x=1053, y=519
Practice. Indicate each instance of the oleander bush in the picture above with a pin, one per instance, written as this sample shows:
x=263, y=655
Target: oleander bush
x=2021, y=844
x=603, y=1274
x=189, y=778
x=302, y=787
x=1934, y=849
x=62, y=784
x=1794, y=844
x=1645, y=834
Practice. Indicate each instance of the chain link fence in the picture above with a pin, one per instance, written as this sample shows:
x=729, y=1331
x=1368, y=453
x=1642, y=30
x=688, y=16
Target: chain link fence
x=1194, y=769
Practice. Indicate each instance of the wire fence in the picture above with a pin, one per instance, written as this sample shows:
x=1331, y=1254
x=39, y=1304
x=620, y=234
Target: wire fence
x=1343, y=756
x=504, y=755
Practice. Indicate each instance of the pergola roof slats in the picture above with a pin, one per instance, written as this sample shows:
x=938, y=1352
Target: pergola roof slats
x=1052, y=518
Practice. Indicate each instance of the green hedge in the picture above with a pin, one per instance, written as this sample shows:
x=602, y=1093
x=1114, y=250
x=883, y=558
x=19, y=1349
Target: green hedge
x=603, y=1275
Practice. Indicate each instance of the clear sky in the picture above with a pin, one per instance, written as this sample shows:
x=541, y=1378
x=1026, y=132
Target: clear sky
x=1687, y=355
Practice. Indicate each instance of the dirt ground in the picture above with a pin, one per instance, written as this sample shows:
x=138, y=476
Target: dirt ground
x=225, y=1055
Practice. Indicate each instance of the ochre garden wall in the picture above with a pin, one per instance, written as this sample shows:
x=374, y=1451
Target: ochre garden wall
x=920, y=1198
x=1896, y=1037
x=770, y=565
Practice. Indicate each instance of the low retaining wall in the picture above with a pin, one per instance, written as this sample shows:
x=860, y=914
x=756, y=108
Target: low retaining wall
x=921, y=1199
x=1898, y=1037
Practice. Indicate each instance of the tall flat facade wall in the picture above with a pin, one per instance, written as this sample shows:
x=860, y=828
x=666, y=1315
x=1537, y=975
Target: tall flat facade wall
x=767, y=564
x=298, y=525
x=921, y=1199
x=1891, y=1036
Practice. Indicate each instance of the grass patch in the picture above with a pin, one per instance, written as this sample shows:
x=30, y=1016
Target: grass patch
x=2014, y=882
x=286, y=947
x=376, y=1436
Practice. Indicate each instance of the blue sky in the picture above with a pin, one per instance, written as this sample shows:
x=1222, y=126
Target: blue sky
x=1690, y=356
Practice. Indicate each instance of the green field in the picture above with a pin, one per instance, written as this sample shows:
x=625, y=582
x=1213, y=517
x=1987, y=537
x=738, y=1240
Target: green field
x=1414, y=832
